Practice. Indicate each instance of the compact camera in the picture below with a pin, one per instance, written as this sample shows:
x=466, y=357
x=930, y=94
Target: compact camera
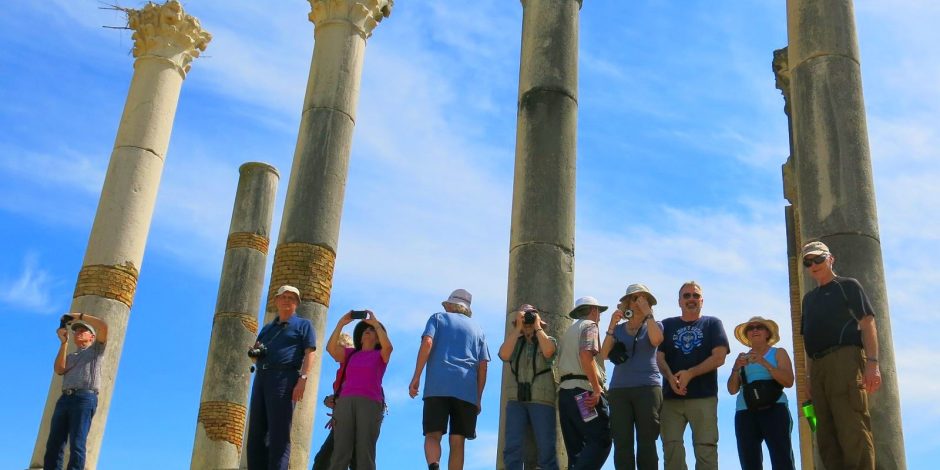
x=65, y=320
x=525, y=391
x=258, y=351
x=627, y=314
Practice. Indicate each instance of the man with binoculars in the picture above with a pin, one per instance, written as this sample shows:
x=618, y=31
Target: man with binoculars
x=530, y=353
x=283, y=356
x=81, y=374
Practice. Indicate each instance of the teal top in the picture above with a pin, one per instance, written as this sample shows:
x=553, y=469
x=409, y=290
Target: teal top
x=756, y=371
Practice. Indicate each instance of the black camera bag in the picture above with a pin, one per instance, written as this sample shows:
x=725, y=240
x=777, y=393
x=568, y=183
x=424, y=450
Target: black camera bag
x=760, y=394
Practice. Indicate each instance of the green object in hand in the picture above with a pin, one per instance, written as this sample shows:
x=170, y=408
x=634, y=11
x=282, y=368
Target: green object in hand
x=809, y=411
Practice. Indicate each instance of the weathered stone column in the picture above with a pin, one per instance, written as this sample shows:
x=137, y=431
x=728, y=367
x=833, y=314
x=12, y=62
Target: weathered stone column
x=306, y=247
x=223, y=407
x=794, y=263
x=541, y=247
x=166, y=40
x=834, y=180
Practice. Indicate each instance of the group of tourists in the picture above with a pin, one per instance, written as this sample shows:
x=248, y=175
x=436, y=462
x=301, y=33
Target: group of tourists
x=664, y=379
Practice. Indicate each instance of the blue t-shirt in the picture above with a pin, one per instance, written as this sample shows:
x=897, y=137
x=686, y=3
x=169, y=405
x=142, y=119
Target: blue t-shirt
x=755, y=371
x=287, y=341
x=640, y=369
x=458, y=348
x=686, y=345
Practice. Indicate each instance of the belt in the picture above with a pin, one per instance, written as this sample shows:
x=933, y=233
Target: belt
x=74, y=391
x=572, y=377
x=278, y=367
x=827, y=351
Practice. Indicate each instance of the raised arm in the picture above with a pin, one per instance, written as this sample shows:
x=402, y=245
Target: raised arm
x=59, y=365
x=101, y=328
x=609, y=339
x=382, y=336
x=337, y=351
x=509, y=344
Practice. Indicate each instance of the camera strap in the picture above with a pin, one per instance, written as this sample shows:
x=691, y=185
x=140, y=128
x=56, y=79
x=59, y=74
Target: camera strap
x=636, y=338
x=514, y=362
x=342, y=374
x=282, y=328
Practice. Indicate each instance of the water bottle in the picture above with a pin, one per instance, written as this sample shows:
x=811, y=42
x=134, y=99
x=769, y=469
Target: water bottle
x=810, y=412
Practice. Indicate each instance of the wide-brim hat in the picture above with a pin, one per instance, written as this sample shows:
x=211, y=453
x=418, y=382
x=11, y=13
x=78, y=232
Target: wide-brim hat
x=459, y=297
x=76, y=324
x=582, y=305
x=815, y=249
x=771, y=326
x=639, y=289
x=287, y=288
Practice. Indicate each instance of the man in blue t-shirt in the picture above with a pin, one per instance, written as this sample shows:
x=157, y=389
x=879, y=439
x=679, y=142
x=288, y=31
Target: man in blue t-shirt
x=454, y=349
x=694, y=347
x=283, y=355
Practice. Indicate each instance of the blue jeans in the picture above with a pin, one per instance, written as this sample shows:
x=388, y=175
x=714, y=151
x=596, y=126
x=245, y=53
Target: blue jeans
x=542, y=417
x=588, y=444
x=70, y=421
x=269, y=419
x=772, y=426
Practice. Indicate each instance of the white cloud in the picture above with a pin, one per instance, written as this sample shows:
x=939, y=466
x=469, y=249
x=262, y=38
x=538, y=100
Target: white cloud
x=31, y=290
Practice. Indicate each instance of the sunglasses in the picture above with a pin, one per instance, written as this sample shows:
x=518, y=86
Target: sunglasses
x=807, y=262
x=691, y=295
x=750, y=328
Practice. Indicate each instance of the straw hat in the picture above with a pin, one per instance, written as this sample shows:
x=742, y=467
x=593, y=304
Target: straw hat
x=771, y=326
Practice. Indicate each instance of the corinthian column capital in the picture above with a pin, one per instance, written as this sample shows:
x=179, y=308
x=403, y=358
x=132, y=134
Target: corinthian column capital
x=166, y=31
x=364, y=15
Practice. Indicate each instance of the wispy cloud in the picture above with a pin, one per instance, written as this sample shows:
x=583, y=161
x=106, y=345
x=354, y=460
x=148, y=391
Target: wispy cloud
x=31, y=290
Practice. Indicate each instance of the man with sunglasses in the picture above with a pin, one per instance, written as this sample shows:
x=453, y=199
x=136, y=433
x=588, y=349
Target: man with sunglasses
x=694, y=347
x=840, y=338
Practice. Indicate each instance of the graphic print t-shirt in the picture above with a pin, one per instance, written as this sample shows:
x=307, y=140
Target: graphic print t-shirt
x=687, y=344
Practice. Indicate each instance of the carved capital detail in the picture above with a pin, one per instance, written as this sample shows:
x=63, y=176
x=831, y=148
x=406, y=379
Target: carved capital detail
x=168, y=32
x=364, y=15
x=781, y=66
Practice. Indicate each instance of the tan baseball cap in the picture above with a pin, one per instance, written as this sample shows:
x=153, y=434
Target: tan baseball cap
x=815, y=249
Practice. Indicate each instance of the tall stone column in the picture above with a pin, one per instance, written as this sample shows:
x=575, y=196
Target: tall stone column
x=223, y=408
x=781, y=70
x=834, y=179
x=541, y=246
x=166, y=40
x=306, y=247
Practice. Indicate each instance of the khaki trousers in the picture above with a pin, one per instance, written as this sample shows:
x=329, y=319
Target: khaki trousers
x=702, y=415
x=843, y=430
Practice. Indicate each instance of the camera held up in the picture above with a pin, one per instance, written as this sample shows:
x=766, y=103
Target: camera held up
x=65, y=320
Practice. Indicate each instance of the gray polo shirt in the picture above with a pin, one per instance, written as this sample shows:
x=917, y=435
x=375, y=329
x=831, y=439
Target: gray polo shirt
x=83, y=368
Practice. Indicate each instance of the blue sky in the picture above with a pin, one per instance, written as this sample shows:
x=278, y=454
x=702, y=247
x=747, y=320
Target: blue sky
x=680, y=141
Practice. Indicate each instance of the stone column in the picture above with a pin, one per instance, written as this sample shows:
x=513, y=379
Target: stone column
x=794, y=267
x=306, y=247
x=834, y=181
x=541, y=247
x=223, y=407
x=166, y=40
